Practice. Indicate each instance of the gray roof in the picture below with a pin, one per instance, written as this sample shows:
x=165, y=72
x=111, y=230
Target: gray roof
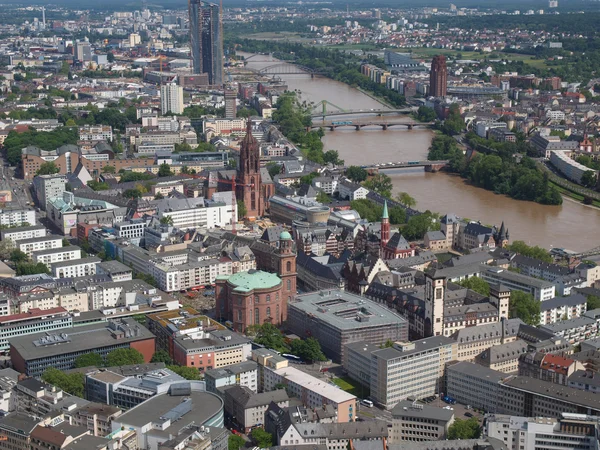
x=503, y=352
x=422, y=345
x=344, y=310
x=556, y=302
x=463, y=444
x=114, y=266
x=19, y=423
x=456, y=272
x=514, y=276
x=372, y=429
x=564, y=325
x=406, y=408
x=244, y=366
x=49, y=237
x=435, y=236
x=83, y=338
x=585, y=377
x=52, y=251
x=76, y=262
x=555, y=391
x=87, y=442
x=488, y=331
x=248, y=399
x=477, y=371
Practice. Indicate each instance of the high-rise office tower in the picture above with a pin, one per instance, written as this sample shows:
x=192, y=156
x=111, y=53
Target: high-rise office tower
x=171, y=99
x=83, y=52
x=230, y=102
x=206, y=40
x=438, y=78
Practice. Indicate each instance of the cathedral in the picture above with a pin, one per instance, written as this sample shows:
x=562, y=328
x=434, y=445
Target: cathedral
x=253, y=184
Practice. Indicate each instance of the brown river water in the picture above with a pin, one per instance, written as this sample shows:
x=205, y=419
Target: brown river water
x=572, y=225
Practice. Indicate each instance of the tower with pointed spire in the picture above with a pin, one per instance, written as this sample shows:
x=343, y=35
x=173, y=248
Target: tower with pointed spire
x=385, y=227
x=249, y=186
x=501, y=236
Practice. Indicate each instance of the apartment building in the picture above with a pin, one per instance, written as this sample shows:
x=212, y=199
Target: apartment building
x=179, y=276
x=415, y=422
x=28, y=246
x=313, y=392
x=548, y=367
x=574, y=330
x=562, y=308
x=116, y=270
x=17, y=217
x=541, y=290
x=20, y=233
x=95, y=133
x=76, y=268
x=248, y=408
x=47, y=187
x=33, y=321
x=96, y=417
x=243, y=374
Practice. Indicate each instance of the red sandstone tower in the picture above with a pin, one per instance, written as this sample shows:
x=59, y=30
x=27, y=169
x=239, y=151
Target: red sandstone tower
x=385, y=228
x=438, y=78
x=250, y=187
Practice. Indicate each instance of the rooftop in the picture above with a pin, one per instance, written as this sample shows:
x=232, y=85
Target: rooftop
x=343, y=310
x=404, y=350
x=333, y=393
x=407, y=408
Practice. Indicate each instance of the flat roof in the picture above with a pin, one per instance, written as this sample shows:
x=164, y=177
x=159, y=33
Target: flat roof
x=82, y=338
x=316, y=385
x=49, y=237
x=477, y=371
x=52, y=251
x=76, y=262
x=344, y=310
x=204, y=406
x=422, y=345
x=514, y=276
x=407, y=408
x=556, y=391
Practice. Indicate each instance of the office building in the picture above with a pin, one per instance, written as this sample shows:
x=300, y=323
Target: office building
x=541, y=290
x=230, y=95
x=83, y=52
x=415, y=422
x=569, y=431
x=171, y=99
x=248, y=408
x=438, y=77
x=336, y=318
x=206, y=40
x=407, y=369
x=47, y=187
x=34, y=353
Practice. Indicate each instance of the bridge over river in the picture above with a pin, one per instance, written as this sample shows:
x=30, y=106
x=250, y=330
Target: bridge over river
x=359, y=124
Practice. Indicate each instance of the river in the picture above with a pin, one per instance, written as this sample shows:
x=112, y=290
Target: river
x=572, y=225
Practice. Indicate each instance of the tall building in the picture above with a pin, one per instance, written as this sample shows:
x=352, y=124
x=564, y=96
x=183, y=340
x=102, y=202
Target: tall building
x=230, y=95
x=206, y=40
x=438, y=78
x=249, y=187
x=171, y=99
x=83, y=52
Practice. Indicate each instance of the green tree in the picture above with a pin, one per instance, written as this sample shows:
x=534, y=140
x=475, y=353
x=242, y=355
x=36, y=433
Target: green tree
x=70, y=383
x=167, y=220
x=247, y=112
x=132, y=193
x=405, y=199
x=109, y=169
x=235, y=442
x=387, y=344
x=274, y=169
x=322, y=197
x=426, y=114
x=158, y=196
x=381, y=184
x=65, y=68
x=124, y=357
x=476, y=284
x=454, y=123
x=525, y=307
x=110, y=57
x=65, y=242
x=161, y=356
x=268, y=335
x=356, y=174
x=307, y=349
x=164, y=170
x=464, y=429
x=17, y=256
x=30, y=268
x=533, y=252
x=189, y=373
x=98, y=186
x=420, y=224
x=593, y=302
x=333, y=157
x=261, y=438
x=241, y=209
x=89, y=360
x=48, y=168
x=588, y=179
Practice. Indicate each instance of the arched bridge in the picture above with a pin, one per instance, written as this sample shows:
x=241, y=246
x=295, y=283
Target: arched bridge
x=430, y=166
x=289, y=68
x=373, y=123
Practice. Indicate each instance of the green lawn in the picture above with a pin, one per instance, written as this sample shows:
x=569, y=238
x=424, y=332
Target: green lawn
x=352, y=387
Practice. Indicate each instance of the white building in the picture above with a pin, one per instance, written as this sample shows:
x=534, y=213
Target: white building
x=15, y=234
x=561, y=308
x=131, y=229
x=171, y=99
x=178, y=276
x=47, y=187
x=77, y=268
x=17, y=217
x=241, y=374
x=55, y=255
x=351, y=191
x=555, y=114
x=28, y=246
x=95, y=133
x=194, y=212
x=571, y=431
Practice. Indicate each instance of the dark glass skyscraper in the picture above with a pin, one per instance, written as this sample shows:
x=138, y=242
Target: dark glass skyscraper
x=206, y=40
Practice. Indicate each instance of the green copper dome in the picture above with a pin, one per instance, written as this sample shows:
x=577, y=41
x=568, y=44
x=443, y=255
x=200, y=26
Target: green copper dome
x=285, y=235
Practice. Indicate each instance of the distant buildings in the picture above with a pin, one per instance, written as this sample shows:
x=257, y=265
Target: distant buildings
x=438, y=78
x=206, y=40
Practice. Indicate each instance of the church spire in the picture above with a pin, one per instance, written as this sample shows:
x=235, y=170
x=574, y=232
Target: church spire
x=385, y=210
